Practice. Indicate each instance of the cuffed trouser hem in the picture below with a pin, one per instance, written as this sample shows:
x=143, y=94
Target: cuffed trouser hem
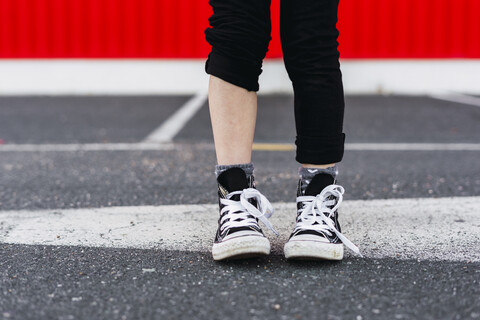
x=320, y=150
x=234, y=71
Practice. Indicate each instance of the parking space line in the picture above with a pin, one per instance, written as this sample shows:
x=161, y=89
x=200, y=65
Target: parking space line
x=85, y=147
x=170, y=127
x=380, y=146
x=151, y=146
x=399, y=228
x=458, y=98
x=273, y=146
x=412, y=146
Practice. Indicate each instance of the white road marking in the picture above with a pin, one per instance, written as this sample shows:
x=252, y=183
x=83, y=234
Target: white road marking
x=444, y=228
x=169, y=129
x=458, y=98
x=153, y=146
x=412, y=146
x=85, y=147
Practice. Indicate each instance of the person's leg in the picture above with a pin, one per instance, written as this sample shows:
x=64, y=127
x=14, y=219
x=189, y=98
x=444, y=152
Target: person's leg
x=309, y=42
x=239, y=35
x=233, y=112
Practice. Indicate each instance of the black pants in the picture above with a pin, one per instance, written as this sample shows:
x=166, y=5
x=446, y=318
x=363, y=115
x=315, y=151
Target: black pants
x=239, y=35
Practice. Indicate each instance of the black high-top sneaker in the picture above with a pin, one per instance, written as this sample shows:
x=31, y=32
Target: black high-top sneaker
x=241, y=207
x=317, y=233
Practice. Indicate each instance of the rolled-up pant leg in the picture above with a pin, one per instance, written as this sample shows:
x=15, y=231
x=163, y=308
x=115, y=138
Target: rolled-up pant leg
x=309, y=42
x=239, y=35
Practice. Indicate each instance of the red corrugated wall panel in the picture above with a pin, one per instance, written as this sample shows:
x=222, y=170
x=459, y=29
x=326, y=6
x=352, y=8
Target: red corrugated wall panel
x=174, y=28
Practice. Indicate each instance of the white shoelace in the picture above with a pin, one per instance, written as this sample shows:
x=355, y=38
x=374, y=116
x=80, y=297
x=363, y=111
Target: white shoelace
x=243, y=209
x=316, y=209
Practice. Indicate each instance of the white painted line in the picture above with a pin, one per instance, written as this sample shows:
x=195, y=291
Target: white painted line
x=458, y=98
x=412, y=146
x=85, y=147
x=444, y=228
x=169, y=129
x=153, y=146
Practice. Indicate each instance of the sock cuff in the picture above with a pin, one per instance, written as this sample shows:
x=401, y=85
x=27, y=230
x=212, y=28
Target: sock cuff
x=247, y=167
x=309, y=173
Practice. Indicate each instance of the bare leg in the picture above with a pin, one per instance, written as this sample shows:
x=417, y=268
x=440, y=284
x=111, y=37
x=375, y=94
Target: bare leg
x=233, y=112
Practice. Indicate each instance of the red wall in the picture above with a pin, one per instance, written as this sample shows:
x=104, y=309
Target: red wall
x=174, y=28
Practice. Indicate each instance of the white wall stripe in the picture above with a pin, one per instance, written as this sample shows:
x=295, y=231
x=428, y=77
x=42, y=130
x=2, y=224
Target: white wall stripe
x=172, y=126
x=445, y=228
x=187, y=76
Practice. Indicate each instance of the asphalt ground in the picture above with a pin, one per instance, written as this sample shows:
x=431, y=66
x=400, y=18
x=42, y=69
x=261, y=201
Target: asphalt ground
x=57, y=180
x=107, y=119
x=81, y=282
x=367, y=119
x=72, y=282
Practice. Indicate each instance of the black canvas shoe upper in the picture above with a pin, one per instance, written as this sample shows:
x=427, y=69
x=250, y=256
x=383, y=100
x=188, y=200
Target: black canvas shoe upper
x=235, y=180
x=315, y=186
x=317, y=213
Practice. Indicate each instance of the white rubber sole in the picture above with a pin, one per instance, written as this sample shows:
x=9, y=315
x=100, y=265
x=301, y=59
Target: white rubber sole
x=313, y=250
x=241, y=248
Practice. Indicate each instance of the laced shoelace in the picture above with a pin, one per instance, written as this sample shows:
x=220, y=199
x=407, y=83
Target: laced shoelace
x=242, y=213
x=321, y=209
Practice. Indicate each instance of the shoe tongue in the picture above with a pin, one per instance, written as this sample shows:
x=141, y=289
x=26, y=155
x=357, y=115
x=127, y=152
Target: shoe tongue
x=233, y=179
x=318, y=183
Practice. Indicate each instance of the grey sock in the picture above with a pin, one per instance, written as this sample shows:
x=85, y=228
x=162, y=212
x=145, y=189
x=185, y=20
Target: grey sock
x=247, y=167
x=307, y=174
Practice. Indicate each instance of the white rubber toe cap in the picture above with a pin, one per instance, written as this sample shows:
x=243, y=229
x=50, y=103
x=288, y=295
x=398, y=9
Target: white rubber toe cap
x=240, y=247
x=311, y=247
